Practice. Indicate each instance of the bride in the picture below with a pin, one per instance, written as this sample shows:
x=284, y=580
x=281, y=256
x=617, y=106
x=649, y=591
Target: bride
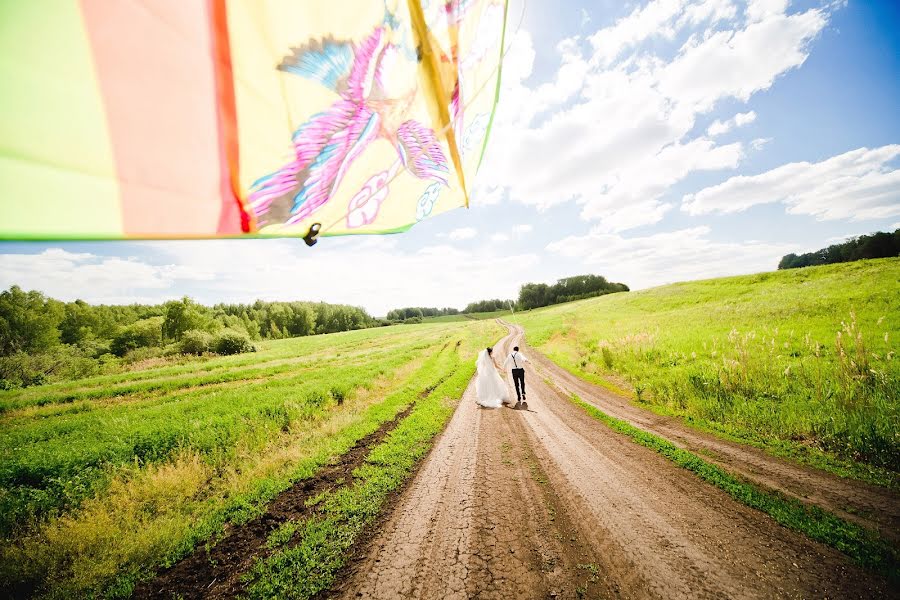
x=490, y=389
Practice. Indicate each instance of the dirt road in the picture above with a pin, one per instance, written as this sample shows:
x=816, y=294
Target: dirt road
x=551, y=503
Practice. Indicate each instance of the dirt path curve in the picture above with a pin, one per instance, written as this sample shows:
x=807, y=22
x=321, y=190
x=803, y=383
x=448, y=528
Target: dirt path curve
x=868, y=505
x=551, y=503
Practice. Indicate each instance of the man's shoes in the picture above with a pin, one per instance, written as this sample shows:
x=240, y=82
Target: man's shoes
x=518, y=405
x=524, y=405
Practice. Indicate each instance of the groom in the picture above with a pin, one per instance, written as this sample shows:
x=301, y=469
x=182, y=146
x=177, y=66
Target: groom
x=517, y=361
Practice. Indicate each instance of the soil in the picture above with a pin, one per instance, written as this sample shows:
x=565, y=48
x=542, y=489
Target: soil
x=551, y=503
x=216, y=572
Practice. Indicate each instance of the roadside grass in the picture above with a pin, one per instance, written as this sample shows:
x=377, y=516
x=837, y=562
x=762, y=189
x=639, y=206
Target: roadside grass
x=102, y=498
x=801, y=362
x=862, y=545
x=315, y=550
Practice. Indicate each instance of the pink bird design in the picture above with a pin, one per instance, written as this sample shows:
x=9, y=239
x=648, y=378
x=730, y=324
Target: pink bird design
x=327, y=144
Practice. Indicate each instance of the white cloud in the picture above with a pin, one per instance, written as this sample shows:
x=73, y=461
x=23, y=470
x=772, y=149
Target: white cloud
x=500, y=237
x=667, y=257
x=585, y=17
x=463, y=233
x=739, y=120
x=486, y=195
x=522, y=229
x=659, y=18
x=736, y=64
x=760, y=143
x=758, y=10
x=855, y=185
x=69, y=276
x=373, y=272
x=614, y=133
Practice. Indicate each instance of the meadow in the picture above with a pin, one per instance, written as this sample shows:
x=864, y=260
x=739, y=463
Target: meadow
x=800, y=362
x=104, y=480
x=463, y=317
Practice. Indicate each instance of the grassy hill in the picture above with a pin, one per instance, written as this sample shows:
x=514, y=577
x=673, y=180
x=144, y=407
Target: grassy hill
x=803, y=362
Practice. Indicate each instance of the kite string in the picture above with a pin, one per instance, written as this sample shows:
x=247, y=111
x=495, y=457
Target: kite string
x=448, y=126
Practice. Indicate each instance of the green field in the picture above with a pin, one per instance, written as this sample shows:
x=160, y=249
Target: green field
x=105, y=479
x=802, y=362
x=462, y=318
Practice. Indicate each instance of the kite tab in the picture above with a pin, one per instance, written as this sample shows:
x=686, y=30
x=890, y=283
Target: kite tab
x=313, y=235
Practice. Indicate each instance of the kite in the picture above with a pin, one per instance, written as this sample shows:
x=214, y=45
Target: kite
x=172, y=119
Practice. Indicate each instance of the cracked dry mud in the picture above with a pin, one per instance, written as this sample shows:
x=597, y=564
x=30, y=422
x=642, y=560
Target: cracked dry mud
x=551, y=503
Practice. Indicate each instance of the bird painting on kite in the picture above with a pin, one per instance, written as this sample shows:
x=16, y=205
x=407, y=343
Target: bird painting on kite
x=367, y=107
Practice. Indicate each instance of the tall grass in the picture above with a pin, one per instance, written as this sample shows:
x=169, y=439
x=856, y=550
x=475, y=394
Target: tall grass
x=803, y=359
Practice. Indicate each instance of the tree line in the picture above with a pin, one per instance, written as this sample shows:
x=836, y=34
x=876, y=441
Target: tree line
x=483, y=306
x=568, y=289
x=43, y=339
x=531, y=295
x=877, y=245
x=418, y=312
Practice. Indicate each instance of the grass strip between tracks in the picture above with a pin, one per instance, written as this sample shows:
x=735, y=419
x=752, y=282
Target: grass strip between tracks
x=310, y=553
x=861, y=544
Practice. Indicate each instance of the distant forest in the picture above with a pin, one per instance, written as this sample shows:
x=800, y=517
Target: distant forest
x=42, y=339
x=419, y=312
x=877, y=245
x=535, y=295
x=483, y=306
x=531, y=295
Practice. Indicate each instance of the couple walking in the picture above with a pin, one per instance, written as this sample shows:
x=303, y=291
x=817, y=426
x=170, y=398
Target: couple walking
x=490, y=389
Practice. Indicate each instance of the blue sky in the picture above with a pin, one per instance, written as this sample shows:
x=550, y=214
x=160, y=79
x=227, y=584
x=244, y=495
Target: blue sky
x=651, y=142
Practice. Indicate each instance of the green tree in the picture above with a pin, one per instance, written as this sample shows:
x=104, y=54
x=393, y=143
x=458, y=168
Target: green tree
x=28, y=321
x=145, y=333
x=80, y=322
x=184, y=315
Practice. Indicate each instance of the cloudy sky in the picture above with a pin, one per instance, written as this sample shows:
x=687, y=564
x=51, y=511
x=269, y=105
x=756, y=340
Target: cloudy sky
x=652, y=142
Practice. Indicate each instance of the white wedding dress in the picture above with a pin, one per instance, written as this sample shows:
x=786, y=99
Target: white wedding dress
x=490, y=389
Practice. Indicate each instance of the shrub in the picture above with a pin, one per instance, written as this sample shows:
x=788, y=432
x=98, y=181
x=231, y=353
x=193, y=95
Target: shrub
x=142, y=334
x=142, y=354
x=196, y=342
x=230, y=341
x=62, y=363
x=93, y=348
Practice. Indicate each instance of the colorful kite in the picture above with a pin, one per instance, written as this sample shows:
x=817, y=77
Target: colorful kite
x=206, y=118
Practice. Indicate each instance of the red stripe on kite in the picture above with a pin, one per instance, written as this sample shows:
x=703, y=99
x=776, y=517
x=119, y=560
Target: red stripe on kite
x=234, y=218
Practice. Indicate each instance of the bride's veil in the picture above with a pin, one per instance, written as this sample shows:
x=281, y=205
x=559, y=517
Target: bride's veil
x=481, y=363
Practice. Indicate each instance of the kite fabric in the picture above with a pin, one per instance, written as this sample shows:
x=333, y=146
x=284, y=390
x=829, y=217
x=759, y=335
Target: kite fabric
x=136, y=119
